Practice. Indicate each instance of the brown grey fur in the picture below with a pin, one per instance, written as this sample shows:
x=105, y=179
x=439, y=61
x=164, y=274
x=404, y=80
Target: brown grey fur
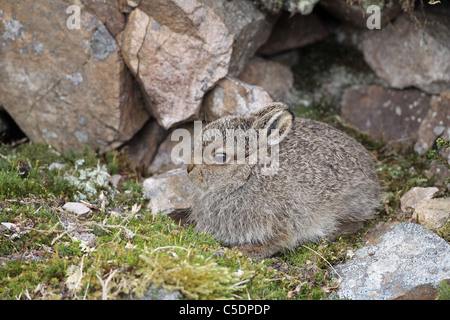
x=325, y=179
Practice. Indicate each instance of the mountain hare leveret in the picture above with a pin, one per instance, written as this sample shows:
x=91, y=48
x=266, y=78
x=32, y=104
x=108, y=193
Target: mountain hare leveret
x=322, y=179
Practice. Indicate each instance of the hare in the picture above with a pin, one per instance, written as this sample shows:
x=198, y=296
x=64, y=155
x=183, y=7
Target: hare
x=324, y=179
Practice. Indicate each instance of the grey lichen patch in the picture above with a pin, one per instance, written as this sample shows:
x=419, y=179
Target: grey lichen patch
x=82, y=121
x=103, y=44
x=156, y=26
x=50, y=134
x=81, y=135
x=37, y=48
x=75, y=78
x=13, y=29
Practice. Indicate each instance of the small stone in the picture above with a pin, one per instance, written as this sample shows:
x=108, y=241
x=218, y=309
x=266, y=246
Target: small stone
x=412, y=198
x=10, y=226
x=77, y=208
x=115, y=180
x=133, y=3
x=433, y=213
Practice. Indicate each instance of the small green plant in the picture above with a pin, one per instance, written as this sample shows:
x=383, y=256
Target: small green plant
x=444, y=290
x=434, y=154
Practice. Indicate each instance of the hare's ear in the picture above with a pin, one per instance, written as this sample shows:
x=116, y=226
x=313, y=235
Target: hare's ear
x=274, y=122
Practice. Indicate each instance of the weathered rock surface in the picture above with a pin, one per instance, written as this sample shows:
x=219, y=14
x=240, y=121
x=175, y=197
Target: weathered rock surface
x=357, y=15
x=234, y=97
x=433, y=213
x=293, y=32
x=389, y=114
x=405, y=55
x=169, y=192
x=412, y=198
x=408, y=262
x=109, y=13
x=276, y=78
x=435, y=124
x=178, y=50
x=68, y=88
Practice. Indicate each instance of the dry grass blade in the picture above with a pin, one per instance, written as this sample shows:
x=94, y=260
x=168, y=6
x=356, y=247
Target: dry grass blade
x=324, y=260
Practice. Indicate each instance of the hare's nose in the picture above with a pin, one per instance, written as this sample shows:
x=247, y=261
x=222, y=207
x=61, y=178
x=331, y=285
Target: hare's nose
x=190, y=167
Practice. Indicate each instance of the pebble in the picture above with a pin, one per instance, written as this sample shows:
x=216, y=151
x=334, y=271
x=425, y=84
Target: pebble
x=77, y=208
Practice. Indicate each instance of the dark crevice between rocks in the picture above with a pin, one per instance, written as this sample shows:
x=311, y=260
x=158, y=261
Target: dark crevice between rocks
x=10, y=132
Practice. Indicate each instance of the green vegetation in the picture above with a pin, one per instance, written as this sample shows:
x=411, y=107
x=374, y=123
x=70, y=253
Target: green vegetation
x=444, y=290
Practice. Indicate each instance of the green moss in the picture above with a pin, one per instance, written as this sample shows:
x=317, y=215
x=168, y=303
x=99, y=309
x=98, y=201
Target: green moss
x=444, y=290
x=196, y=276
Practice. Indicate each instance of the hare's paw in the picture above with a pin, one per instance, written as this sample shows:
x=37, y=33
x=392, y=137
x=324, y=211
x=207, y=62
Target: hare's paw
x=258, y=250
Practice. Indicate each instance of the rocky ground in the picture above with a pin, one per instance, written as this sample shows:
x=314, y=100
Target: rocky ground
x=90, y=199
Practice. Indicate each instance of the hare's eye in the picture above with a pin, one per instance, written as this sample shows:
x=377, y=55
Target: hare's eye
x=220, y=158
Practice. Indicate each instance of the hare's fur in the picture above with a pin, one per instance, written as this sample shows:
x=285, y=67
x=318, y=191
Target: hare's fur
x=325, y=179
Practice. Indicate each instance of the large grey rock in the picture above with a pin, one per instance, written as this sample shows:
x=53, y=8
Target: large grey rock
x=407, y=262
x=405, y=55
x=67, y=88
x=178, y=50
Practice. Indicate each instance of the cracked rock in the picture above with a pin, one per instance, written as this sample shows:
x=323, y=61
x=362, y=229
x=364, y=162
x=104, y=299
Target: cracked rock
x=178, y=50
x=65, y=87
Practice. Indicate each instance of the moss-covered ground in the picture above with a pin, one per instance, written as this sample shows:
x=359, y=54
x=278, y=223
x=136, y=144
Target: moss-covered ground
x=135, y=250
